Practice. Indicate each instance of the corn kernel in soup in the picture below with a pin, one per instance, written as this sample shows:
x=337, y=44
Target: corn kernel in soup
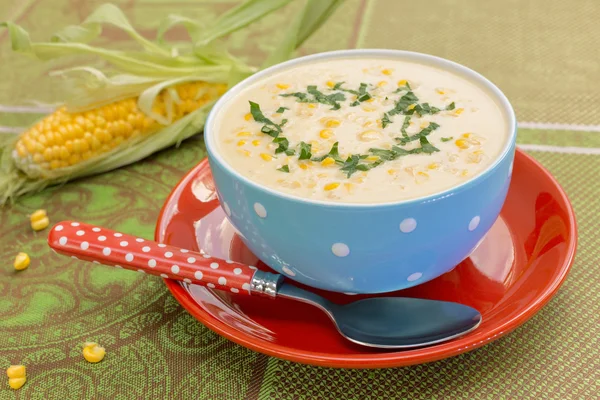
x=361, y=130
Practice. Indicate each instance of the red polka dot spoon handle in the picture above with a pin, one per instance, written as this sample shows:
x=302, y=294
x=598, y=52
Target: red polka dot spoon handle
x=105, y=246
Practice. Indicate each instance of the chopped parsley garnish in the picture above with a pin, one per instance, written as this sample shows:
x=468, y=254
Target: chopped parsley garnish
x=426, y=146
x=403, y=103
x=260, y=117
x=361, y=94
x=272, y=129
x=362, y=98
x=283, y=146
x=318, y=97
x=302, y=97
x=280, y=110
x=447, y=139
x=450, y=106
x=285, y=168
x=305, y=153
x=423, y=109
x=405, y=87
x=338, y=86
x=385, y=121
x=405, y=126
x=333, y=153
x=353, y=164
x=417, y=136
x=269, y=131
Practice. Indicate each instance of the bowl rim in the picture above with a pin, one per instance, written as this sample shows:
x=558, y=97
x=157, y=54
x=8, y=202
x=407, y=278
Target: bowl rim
x=459, y=69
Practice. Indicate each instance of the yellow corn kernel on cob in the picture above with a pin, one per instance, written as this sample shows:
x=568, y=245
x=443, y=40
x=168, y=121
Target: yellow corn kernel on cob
x=65, y=139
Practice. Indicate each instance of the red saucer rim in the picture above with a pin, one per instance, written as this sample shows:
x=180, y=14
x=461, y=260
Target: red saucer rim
x=384, y=359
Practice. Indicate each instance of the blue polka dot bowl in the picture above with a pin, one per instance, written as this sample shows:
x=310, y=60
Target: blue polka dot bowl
x=364, y=248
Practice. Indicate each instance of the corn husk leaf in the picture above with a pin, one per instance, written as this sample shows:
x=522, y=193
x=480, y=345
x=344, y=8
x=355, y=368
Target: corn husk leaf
x=106, y=14
x=144, y=74
x=313, y=15
x=239, y=17
x=193, y=27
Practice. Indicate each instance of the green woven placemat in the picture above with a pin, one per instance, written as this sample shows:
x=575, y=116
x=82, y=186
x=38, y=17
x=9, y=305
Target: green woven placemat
x=542, y=54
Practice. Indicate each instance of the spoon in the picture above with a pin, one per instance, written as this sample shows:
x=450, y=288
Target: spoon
x=382, y=322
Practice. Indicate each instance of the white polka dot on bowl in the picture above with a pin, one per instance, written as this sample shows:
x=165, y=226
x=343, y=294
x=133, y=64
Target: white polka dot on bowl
x=198, y=275
x=129, y=257
x=222, y=281
x=175, y=269
x=408, y=225
x=474, y=223
x=340, y=249
x=414, y=277
x=260, y=210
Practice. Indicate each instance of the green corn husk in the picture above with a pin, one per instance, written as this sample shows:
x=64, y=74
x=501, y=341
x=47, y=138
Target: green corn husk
x=144, y=74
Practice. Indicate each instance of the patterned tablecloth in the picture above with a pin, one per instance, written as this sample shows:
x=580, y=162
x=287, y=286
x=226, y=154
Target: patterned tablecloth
x=543, y=53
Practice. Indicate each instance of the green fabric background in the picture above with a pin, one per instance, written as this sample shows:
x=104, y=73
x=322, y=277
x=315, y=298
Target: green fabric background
x=542, y=53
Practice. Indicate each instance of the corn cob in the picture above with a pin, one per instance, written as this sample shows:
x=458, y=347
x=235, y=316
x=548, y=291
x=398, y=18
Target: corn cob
x=65, y=139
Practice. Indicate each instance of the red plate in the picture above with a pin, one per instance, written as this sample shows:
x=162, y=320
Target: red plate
x=515, y=271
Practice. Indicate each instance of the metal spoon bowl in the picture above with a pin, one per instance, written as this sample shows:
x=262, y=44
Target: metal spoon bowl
x=393, y=322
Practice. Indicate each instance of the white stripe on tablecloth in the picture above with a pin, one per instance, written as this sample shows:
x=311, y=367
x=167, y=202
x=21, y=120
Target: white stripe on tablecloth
x=560, y=149
x=551, y=126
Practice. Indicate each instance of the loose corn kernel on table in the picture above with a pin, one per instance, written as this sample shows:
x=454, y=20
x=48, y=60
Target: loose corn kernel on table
x=542, y=54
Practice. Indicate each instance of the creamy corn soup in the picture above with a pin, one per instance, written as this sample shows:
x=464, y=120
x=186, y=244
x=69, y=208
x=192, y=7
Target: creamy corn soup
x=361, y=130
